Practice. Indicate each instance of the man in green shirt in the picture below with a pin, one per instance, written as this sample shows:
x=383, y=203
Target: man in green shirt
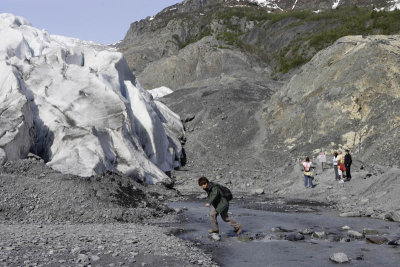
x=219, y=205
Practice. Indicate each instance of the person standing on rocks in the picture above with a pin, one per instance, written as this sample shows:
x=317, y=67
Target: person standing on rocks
x=335, y=165
x=347, y=163
x=307, y=164
x=219, y=205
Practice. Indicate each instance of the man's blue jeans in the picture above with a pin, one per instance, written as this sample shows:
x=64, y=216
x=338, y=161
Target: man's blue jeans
x=307, y=180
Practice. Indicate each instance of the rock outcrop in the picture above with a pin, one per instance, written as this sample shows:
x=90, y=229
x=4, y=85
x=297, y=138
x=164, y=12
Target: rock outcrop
x=347, y=96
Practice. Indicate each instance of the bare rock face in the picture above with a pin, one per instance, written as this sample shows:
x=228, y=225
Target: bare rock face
x=347, y=96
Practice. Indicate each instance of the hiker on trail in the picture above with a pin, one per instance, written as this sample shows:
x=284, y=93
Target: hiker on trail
x=307, y=164
x=219, y=203
x=322, y=159
x=347, y=163
x=335, y=165
x=341, y=167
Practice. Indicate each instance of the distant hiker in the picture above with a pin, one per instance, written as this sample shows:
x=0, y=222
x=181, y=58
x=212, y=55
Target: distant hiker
x=335, y=165
x=218, y=200
x=307, y=164
x=322, y=159
x=347, y=163
x=341, y=167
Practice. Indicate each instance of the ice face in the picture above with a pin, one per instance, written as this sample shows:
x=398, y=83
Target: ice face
x=78, y=105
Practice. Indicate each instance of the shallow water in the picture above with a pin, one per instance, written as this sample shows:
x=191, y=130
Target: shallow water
x=254, y=247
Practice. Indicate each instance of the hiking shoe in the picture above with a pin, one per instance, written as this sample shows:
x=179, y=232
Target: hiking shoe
x=341, y=181
x=211, y=231
x=239, y=230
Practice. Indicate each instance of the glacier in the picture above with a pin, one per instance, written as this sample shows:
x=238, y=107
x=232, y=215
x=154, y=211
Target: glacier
x=160, y=92
x=78, y=105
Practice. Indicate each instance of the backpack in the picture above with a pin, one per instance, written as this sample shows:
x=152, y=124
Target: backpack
x=307, y=167
x=226, y=193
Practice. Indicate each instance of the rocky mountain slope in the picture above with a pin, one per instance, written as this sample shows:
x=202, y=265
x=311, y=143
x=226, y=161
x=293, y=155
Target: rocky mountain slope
x=197, y=40
x=259, y=91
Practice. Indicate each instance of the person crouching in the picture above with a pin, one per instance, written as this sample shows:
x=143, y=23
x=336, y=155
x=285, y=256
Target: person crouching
x=219, y=206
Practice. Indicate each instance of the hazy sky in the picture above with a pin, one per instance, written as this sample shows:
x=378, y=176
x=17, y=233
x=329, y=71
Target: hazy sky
x=102, y=21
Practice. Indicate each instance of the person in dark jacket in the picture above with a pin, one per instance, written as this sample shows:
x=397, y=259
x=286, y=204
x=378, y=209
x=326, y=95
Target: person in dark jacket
x=219, y=206
x=347, y=163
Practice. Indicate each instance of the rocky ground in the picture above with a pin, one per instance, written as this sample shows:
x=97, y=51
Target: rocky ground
x=52, y=219
x=109, y=244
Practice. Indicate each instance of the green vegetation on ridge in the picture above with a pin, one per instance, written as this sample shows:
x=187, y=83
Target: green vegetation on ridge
x=286, y=39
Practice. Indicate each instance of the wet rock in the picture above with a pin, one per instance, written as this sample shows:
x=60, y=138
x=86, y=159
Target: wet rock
x=294, y=237
x=355, y=234
x=367, y=231
x=379, y=240
x=215, y=237
x=335, y=238
x=306, y=231
x=395, y=242
x=281, y=229
x=360, y=258
x=319, y=235
x=346, y=227
x=339, y=258
x=393, y=216
x=246, y=237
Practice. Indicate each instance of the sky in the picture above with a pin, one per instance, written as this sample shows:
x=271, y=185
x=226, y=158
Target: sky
x=101, y=21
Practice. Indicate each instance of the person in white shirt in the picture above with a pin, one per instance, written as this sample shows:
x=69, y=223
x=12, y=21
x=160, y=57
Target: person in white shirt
x=335, y=165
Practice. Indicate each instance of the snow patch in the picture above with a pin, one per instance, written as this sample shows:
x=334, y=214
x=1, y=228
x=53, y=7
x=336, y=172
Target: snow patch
x=335, y=4
x=160, y=92
x=395, y=6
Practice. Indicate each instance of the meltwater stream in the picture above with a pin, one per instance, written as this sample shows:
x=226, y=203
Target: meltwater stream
x=263, y=244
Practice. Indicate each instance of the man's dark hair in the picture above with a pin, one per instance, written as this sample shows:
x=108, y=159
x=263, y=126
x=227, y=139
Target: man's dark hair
x=203, y=180
x=347, y=151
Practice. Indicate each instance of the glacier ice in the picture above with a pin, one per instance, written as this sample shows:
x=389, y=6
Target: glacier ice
x=78, y=105
x=160, y=92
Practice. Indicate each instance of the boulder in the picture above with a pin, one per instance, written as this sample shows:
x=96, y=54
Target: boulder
x=339, y=258
x=395, y=242
x=354, y=234
x=294, y=237
x=319, y=235
x=379, y=240
x=257, y=191
x=307, y=231
x=393, y=216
